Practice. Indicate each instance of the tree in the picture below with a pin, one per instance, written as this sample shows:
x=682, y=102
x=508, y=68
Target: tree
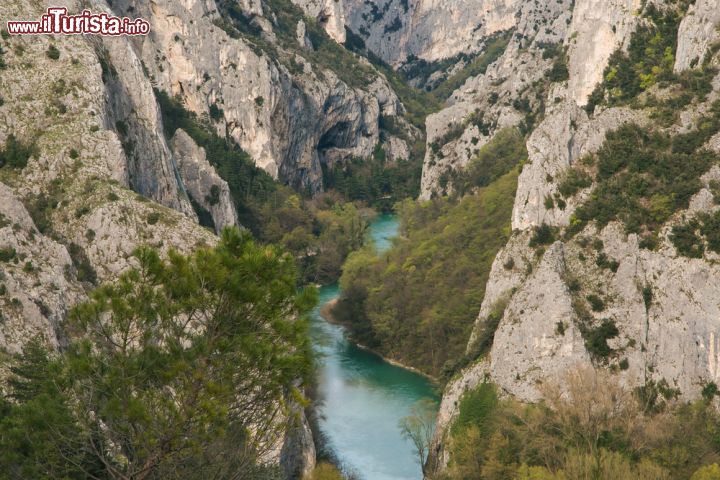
x=590, y=405
x=419, y=426
x=34, y=416
x=182, y=367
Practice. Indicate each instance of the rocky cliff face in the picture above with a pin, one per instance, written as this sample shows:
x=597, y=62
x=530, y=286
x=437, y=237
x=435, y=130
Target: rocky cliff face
x=432, y=30
x=202, y=182
x=290, y=122
x=698, y=32
x=504, y=96
x=512, y=92
x=330, y=14
x=663, y=304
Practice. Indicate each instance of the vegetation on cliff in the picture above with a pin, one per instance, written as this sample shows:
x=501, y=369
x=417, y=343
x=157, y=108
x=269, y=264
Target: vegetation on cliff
x=643, y=177
x=649, y=60
x=598, y=430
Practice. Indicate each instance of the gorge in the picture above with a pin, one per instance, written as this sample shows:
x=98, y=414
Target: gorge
x=167, y=201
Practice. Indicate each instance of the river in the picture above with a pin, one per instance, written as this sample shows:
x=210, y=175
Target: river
x=363, y=396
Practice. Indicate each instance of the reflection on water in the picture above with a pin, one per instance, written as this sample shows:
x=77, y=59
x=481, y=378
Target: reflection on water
x=363, y=396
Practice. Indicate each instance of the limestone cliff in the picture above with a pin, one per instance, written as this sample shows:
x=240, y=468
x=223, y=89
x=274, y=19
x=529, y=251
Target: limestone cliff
x=662, y=303
x=513, y=91
x=290, y=113
x=428, y=29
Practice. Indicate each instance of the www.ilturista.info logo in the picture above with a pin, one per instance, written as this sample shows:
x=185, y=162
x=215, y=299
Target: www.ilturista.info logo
x=57, y=21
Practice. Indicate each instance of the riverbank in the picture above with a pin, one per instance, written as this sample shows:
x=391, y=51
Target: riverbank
x=326, y=314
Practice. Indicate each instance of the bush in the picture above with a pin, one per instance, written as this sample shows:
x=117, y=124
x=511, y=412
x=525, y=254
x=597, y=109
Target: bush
x=688, y=237
x=559, y=71
x=52, y=52
x=542, y=235
x=710, y=391
x=560, y=328
x=687, y=241
x=16, y=154
x=7, y=254
x=596, y=303
x=647, y=294
x=324, y=471
x=574, y=181
x=605, y=263
x=476, y=409
x=596, y=339
x=81, y=262
x=708, y=472
x=216, y=113
x=153, y=218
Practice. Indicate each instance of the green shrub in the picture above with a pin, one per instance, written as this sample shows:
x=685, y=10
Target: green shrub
x=688, y=237
x=560, y=328
x=153, y=218
x=16, y=154
x=596, y=339
x=687, y=241
x=559, y=71
x=708, y=472
x=7, y=254
x=642, y=181
x=574, y=181
x=216, y=113
x=81, y=262
x=549, y=203
x=81, y=211
x=214, y=197
x=542, y=235
x=52, y=52
x=710, y=391
x=647, y=294
x=596, y=303
x=604, y=262
x=476, y=409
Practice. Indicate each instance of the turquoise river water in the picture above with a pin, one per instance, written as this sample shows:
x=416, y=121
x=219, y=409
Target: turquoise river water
x=362, y=396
